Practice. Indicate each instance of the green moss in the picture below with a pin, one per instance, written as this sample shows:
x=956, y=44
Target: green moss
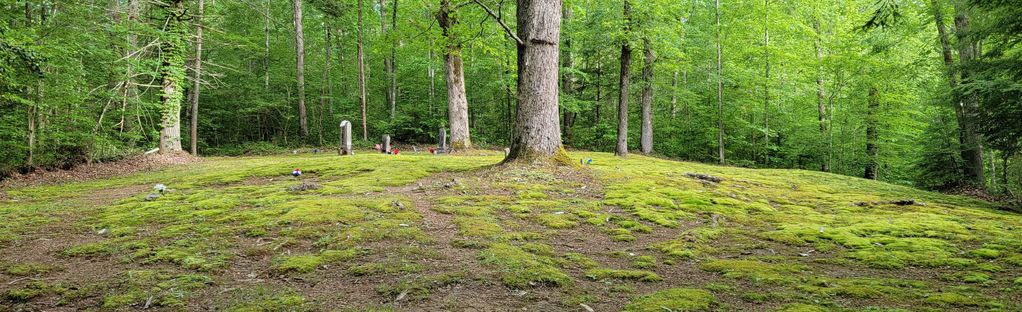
x=26, y=269
x=801, y=307
x=309, y=263
x=477, y=227
x=557, y=220
x=385, y=268
x=639, y=275
x=581, y=261
x=985, y=253
x=539, y=249
x=754, y=271
x=951, y=299
x=644, y=262
x=675, y=299
x=90, y=249
x=518, y=268
x=28, y=292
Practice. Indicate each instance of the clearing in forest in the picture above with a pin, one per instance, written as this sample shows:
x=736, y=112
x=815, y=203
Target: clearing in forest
x=427, y=233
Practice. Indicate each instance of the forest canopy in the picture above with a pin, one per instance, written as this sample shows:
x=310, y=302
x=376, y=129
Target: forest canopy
x=922, y=93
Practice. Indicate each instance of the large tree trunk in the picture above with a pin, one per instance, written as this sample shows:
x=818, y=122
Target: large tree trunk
x=972, y=146
x=196, y=81
x=300, y=68
x=821, y=105
x=646, y=141
x=172, y=74
x=623, y=83
x=873, y=104
x=720, y=90
x=454, y=75
x=361, y=74
x=537, y=133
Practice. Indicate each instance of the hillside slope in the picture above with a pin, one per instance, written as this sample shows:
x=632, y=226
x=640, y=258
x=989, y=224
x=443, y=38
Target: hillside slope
x=419, y=232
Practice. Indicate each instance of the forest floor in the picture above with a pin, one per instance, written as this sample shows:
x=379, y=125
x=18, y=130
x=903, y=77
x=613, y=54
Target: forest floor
x=425, y=233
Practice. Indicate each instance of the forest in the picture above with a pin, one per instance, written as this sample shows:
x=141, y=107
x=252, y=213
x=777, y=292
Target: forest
x=919, y=93
x=494, y=155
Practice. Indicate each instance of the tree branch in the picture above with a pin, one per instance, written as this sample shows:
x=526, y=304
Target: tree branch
x=501, y=22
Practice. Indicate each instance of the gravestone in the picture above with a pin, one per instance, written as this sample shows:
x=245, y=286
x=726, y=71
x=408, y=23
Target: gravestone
x=385, y=148
x=345, y=142
x=442, y=147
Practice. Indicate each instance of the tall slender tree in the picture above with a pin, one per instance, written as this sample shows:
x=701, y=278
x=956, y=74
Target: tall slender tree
x=197, y=79
x=821, y=105
x=720, y=89
x=972, y=140
x=300, y=67
x=646, y=139
x=361, y=73
x=623, y=83
x=872, y=136
x=766, y=82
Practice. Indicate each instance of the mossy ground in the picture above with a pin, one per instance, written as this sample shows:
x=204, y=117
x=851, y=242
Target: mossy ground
x=418, y=232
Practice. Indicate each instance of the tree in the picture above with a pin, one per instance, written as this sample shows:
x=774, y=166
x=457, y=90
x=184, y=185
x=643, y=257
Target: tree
x=389, y=62
x=454, y=75
x=872, y=163
x=326, y=91
x=172, y=73
x=361, y=74
x=196, y=80
x=972, y=148
x=300, y=67
x=720, y=89
x=537, y=131
x=623, y=82
x=766, y=82
x=821, y=105
x=646, y=140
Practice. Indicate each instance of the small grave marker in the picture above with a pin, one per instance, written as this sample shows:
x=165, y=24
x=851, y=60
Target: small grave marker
x=345, y=142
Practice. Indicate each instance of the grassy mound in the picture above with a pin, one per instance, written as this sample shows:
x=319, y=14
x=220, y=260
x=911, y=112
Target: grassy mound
x=422, y=232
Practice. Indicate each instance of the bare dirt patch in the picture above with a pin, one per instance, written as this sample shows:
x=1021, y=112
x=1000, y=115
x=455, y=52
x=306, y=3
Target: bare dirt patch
x=140, y=163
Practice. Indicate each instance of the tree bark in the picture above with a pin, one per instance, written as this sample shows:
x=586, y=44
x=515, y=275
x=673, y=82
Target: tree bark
x=266, y=46
x=972, y=148
x=361, y=74
x=674, y=95
x=872, y=106
x=821, y=105
x=646, y=141
x=300, y=67
x=720, y=90
x=196, y=80
x=390, y=62
x=567, y=80
x=454, y=75
x=537, y=134
x=172, y=73
x=325, y=92
x=623, y=82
